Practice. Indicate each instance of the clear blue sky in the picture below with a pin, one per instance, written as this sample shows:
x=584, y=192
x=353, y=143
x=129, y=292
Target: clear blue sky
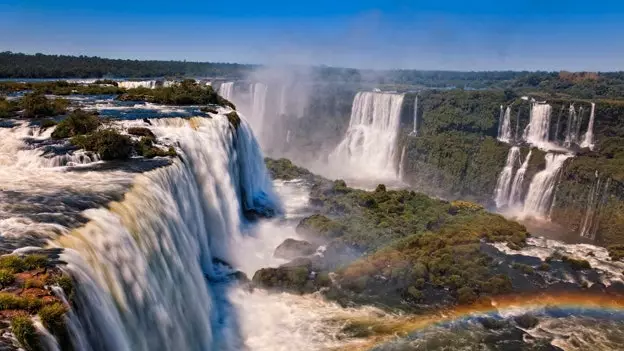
x=431, y=34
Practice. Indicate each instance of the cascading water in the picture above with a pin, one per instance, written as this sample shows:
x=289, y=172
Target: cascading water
x=226, y=90
x=588, y=140
x=142, y=265
x=570, y=129
x=369, y=147
x=401, y=174
x=539, y=196
x=415, y=129
x=150, y=84
x=579, y=122
x=503, y=185
x=505, y=134
x=537, y=131
x=596, y=198
x=258, y=93
x=515, y=195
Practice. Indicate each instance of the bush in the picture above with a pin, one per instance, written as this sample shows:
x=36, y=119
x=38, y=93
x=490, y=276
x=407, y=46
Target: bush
x=147, y=149
x=35, y=262
x=12, y=263
x=6, y=277
x=47, y=123
x=25, y=332
x=78, y=122
x=37, y=105
x=466, y=295
x=577, y=265
x=7, y=108
x=9, y=301
x=107, y=143
x=141, y=131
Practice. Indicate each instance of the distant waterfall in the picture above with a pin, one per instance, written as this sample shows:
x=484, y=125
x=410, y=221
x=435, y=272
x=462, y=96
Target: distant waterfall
x=539, y=196
x=150, y=84
x=415, y=129
x=597, y=197
x=258, y=94
x=369, y=146
x=505, y=134
x=226, y=90
x=515, y=195
x=144, y=267
x=503, y=185
x=538, y=129
x=558, y=123
x=283, y=101
x=402, y=164
x=588, y=140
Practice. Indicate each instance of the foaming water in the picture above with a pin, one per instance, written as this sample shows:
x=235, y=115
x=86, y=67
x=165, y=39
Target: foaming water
x=368, y=150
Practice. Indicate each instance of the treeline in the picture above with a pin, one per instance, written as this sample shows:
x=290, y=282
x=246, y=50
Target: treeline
x=16, y=65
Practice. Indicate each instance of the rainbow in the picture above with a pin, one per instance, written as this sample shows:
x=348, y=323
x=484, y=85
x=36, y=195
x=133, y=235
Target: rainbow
x=389, y=327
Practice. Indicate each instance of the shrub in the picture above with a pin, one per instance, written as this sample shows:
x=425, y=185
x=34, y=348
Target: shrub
x=47, y=123
x=38, y=105
x=6, y=278
x=526, y=269
x=141, y=131
x=577, y=265
x=13, y=302
x=466, y=295
x=12, y=263
x=78, y=122
x=108, y=143
x=35, y=261
x=7, y=108
x=147, y=149
x=25, y=332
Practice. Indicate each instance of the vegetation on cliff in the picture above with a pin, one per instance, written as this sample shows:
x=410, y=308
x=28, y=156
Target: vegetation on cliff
x=188, y=92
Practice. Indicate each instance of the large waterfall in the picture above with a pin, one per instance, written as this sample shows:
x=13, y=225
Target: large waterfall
x=503, y=185
x=415, y=128
x=504, y=132
x=540, y=194
x=369, y=147
x=145, y=265
x=588, y=140
x=150, y=84
x=537, y=131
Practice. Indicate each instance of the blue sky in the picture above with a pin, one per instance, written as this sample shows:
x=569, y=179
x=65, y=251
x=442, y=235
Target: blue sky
x=453, y=34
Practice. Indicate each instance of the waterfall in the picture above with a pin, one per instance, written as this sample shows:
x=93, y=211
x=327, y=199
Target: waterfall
x=538, y=129
x=556, y=138
x=283, y=101
x=369, y=146
x=401, y=174
x=579, y=122
x=503, y=185
x=515, y=195
x=500, y=120
x=504, y=134
x=226, y=90
x=516, y=138
x=597, y=198
x=588, y=140
x=150, y=84
x=256, y=115
x=570, y=126
x=539, y=196
x=415, y=130
x=144, y=266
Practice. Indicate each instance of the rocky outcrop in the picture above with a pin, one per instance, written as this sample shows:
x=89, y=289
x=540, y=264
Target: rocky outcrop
x=291, y=248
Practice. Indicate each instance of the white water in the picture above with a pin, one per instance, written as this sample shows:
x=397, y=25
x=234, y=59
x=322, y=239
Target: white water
x=226, y=90
x=258, y=108
x=415, y=130
x=505, y=134
x=540, y=193
x=150, y=84
x=401, y=174
x=368, y=150
x=141, y=265
x=516, y=192
x=588, y=140
x=537, y=131
x=503, y=185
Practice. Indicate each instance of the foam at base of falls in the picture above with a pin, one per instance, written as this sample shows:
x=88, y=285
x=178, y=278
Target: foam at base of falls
x=368, y=150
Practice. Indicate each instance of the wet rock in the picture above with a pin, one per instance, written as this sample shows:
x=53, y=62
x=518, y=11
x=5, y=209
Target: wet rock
x=526, y=321
x=291, y=248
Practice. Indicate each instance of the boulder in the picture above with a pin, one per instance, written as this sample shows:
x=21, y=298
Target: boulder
x=291, y=249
